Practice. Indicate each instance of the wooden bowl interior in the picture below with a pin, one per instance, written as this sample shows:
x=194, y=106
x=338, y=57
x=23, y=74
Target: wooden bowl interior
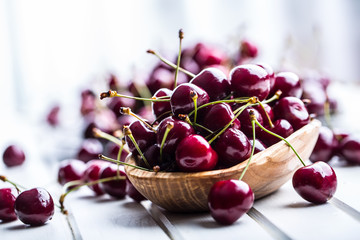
x=267, y=172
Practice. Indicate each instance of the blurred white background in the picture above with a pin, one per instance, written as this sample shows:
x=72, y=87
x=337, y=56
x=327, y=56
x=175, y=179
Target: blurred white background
x=50, y=50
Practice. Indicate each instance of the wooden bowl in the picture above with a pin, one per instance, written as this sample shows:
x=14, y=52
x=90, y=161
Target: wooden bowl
x=267, y=172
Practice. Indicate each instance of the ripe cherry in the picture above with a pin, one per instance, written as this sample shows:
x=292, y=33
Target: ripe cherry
x=13, y=156
x=248, y=49
x=132, y=192
x=161, y=108
x=92, y=173
x=116, y=103
x=53, y=116
x=246, y=122
x=112, y=150
x=250, y=80
x=34, y=207
x=90, y=149
x=293, y=110
x=219, y=115
x=230, y=199
x=350, y=149
x=280, y=127
x=270, y=72
x=143, y=136
x=232, y=147
x=214, y=82
x=181, y=100
x=70, y=170
x=288, y=83
x=115, y=188
x=315, y=183
x=259, y=145
x=264, y=113
x=7, y=200
x=206, y=55
x=194, y=154
x=88, y=102
x=325, y=146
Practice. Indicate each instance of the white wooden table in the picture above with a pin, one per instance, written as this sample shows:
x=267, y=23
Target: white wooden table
x=281, y=215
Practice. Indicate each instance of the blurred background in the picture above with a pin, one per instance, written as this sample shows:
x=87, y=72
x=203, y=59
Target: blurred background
x=51, y=50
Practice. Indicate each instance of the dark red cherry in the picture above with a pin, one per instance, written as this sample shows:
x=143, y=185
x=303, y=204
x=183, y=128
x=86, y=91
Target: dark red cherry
x=161, y=108
x=206, y=55
x=115, y=188
x=288, y=83
x=248, y=49
x=103, y=119
x=259, y=145
x=7, y=201
x=317, y=96
x=180, y=130
x=350, y=149
x=245, y=121
x=214, y=82
x=34, y=207
x=293, y=110
x=70, y=170
x=132, y=192
x=112, y=150
x=270, y=72
x=53, y=116
x=92, y=173
x=268, y=110
x=232, y=147
x=325, y=146
x=219, y=115
x=113, y=82
x=181, y=100
x=194, y=154
x=116, y=103
x=250, y=80
x=230, y=199
x=143, y=136
x=90, y=149
x=315, y=183
x=163, y=78
x=88, y=102
x=281, y=127
x=125, y=120
x=13, y=156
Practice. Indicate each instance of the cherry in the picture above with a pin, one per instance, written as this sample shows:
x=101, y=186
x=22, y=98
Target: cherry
x=259, y=145
x=250, y=80
x=112, y=150
x=206, y=55
x=181, y=100
x=143, y=136
x=163, y=78
x=53, y=116
x=288, y=83
x=232, y=147
x=115, y=188
x=230, y=199
x=315, y=183
x=218, y=115
x=161, y=108
x=116, y=103
x=293, y=110
x=325, y=146
x=13, y=156
x=350, y=149
x=246, y=122
x=92, y=173
x=214, y=82
x=88, y=102
x=280, y=127
x=113, y=82
x=132, y=192
x=7, y=201
x=70, y=170
x=179, y=131
x=270, y=72
x=194, y=154
x=90, y=149
x=248, y=49
x=34, y=207
x=264, y=113
x=317, y=96
x=125, y=120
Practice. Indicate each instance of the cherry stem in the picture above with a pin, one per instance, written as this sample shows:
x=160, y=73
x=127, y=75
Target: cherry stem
x=273, y=98
x=111, y=93
x=185, y=118
x=194, y=97
x=253, y=145
x=239, y=111
x=127, y=132
x=267, y=115
x=169, y=126
x=143, y=91
x=167, y=62
x=5, y=179
x=327, y=113
x=119, y=156
x=181, y=36
x=72, y=183
x=100, y=134
x=201, y=126
x=280, y=137
x=127, y=111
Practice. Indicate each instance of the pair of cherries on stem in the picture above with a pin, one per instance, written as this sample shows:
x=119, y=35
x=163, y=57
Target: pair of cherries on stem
x=228, y=200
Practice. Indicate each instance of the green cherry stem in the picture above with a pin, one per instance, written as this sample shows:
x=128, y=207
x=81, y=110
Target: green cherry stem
x=194, y=97
x=111, y=93
x=119, y=156
x=5, y=179
x=253, y=145
x=267, y=115
x=127, y=111
x=181, y=36
x=100, y=134
x=167, y=62
x=169, y=126
x=280, y=137
x=105, y=158
x=127, y=132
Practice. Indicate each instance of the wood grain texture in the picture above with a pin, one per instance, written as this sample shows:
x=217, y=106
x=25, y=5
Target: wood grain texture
x=188, y=192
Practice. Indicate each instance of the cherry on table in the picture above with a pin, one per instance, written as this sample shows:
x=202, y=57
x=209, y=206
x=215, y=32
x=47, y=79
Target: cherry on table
x=13, y=156
x=325, y=146
x=194, y=154
x=115, y=188
x=350, y=149
x=112, y=149
x=7, y=201
x=228, y=200
x=34, y=207
x=90, y=149
x=92, y=173
x=70, y=170
x=133, y=193
x=316, y=182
